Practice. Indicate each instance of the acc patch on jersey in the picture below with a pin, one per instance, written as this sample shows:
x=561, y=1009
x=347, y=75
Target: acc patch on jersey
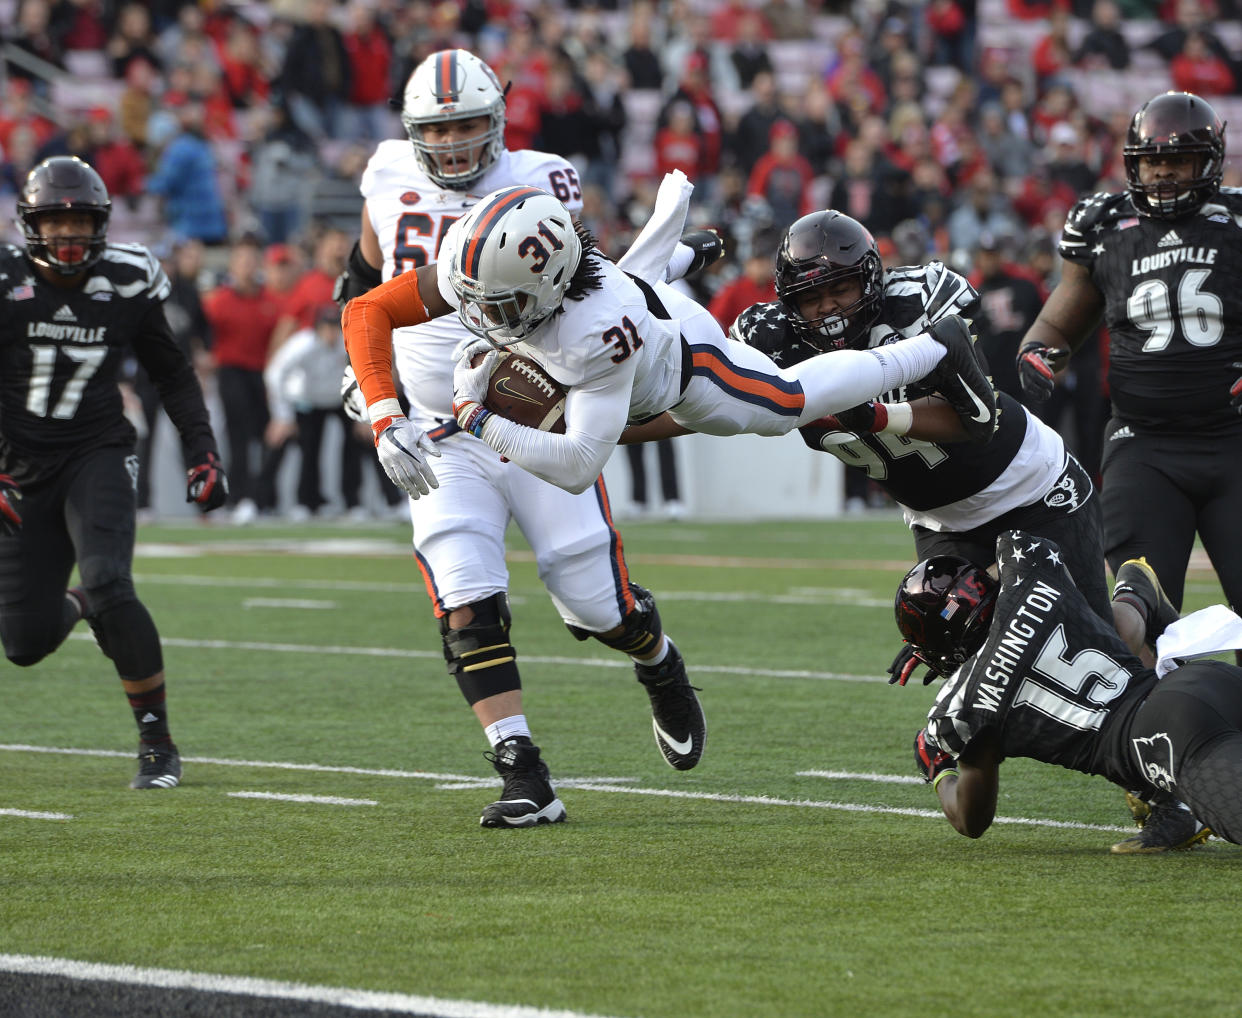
x=520, y=390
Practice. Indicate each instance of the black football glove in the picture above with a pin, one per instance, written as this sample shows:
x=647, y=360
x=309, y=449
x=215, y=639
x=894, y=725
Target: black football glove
x=708, y=247
x=1037, y=368
x=1235, y=390
x=904, y=666
x=930, y=761
x=206, y=484
x=10, y=496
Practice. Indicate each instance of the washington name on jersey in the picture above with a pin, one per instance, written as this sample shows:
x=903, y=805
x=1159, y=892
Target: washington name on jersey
x=1052, y=677
x=62, y=350
x=411, y=214
x=1173, y=291
x=921, y=476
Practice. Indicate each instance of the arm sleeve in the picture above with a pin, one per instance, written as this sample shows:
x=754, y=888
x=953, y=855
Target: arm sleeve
x=597, y=413
x=368, y=322
x=174, y=378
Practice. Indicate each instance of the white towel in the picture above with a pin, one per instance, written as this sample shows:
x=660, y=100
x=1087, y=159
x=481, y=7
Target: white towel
x=1208, y=631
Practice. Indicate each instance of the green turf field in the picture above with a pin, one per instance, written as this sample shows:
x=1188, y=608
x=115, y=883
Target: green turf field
x=798, y=871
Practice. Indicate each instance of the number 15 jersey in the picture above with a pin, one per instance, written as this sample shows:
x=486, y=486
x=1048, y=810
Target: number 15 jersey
x=410, y=214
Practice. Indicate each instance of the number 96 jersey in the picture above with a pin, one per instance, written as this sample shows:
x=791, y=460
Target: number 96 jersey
x=410, y=214
x=1173, y=293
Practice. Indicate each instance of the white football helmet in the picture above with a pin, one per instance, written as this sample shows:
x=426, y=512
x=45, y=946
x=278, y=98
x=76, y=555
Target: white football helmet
x=454, y=84
x=511, y=259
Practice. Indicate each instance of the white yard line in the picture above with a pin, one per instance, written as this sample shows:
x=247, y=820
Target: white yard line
x=32, y=814
x=327, y=800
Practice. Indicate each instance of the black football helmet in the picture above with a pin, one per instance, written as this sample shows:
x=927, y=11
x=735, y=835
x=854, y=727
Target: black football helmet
x=944, y=608
x=822, y=248
x=1175, y=123
x=55, y=185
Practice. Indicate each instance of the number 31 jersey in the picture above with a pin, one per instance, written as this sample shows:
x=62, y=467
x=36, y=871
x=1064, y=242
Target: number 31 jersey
x=1173, y=292
x=411, y=214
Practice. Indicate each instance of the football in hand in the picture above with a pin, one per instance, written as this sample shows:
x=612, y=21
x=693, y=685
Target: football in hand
x=523, y=392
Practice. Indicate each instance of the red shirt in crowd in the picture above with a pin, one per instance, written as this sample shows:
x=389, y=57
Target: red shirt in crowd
x=734, y=298
x=370, y=57
x=241, y=325
x=308, y=295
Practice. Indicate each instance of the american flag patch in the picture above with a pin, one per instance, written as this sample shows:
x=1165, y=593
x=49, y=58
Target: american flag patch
x=24, y=292
x=1125, y=224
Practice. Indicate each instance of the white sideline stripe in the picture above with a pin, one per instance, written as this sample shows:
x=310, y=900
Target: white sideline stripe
x=31, y=814
x=287, y=602
x=573, y=662
x=329, y=800
x=173, y=979
x=590, y=785
x=888, y=779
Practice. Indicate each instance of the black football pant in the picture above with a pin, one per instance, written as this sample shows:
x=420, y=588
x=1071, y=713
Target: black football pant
x=1188, y=739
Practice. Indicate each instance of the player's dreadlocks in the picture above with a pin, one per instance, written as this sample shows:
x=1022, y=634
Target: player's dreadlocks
x=586, y=276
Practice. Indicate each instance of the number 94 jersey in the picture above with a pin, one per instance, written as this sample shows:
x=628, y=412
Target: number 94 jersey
x=1173, y=292
x=1052, y=676
x=410, y=214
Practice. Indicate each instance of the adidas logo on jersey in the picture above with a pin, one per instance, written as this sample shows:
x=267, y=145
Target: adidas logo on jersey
x=1170, y=239
x=1122, y=432
x=64, y=314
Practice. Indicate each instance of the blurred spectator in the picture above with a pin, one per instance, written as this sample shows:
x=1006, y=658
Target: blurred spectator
x=911, y=244
x=19, y=157
x=173, y=37
x=314, y=288
x=1104, y=45
x=750, y=139
x=1197, y=69
x=282, y=154
x=1017, y=113
x=334, y=197
x=82, y=24
x=749, y=52
x=1009, y=155
x=813, y=112
x=789, y=19
x=1065, y=163
x=695, y=90
x=1008, y=304
x=241, y=316
x=949, y=36
x=137, y=103
x=241, y=66
x=678, y=144
x=690, y=32
x=1034, y=10
x=732, y=20
x=116, y=158
x=755, y=285
x=852, y=81
x=370, y=71
x=315, y=77
x=17, y=113
x=639, y=57
x=566, y=126
x=984, y=210
x=34, y=35
x=1052, y=53
x=303, y=380
x=782, y=177
x=185, y=178
x=872, y=189
x=1190, y=16
x=132, y=39
x=666, y=458
x=603, y=87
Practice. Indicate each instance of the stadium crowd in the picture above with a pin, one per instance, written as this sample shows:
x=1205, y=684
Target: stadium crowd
x=232, y=137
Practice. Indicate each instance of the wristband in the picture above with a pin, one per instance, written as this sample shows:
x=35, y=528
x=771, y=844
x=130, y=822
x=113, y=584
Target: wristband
x=941, y=776
x=474, y=422
x=899, y=418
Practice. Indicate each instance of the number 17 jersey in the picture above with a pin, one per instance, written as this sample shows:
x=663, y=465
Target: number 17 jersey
x=410, y=214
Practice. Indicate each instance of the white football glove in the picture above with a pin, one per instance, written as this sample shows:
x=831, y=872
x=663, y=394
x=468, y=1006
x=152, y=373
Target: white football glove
x=403, y=449
x=470, y=383
x=352, y=399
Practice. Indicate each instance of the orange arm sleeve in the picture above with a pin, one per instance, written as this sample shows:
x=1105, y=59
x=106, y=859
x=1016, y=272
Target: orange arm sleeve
x=368, y=322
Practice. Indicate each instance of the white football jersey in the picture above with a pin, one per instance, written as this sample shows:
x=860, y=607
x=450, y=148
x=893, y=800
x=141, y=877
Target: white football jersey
x=410, y=214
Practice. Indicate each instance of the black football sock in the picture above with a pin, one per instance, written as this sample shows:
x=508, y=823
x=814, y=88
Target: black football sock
x=151, y=713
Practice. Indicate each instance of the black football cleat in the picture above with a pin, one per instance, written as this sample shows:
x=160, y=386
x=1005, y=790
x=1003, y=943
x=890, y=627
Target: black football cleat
x=528, y=798
x=961, y=377
x=1167, y=827
x=676, y=714
x=159, y=766
x=1136, y=581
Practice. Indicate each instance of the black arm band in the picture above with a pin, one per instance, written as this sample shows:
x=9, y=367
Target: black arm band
x=359, y=277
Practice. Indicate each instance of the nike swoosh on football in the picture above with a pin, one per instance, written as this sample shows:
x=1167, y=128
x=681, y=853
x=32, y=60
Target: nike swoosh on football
x=681, y=748
x=502, y=387
x=984, y=413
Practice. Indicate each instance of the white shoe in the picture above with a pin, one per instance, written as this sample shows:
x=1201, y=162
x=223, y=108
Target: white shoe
x=674, y=510
x=358, y=514
x=298, y=514
x=244, y=513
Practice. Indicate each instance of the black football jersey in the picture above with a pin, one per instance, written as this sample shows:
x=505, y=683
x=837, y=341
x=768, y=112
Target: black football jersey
x=1053, y=677
x=61, y=353
x=917, y=474
x=1173, y=293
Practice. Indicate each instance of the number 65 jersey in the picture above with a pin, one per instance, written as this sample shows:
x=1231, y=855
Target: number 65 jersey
x=1052, y=677
x=1173, y=292
x=410, y=214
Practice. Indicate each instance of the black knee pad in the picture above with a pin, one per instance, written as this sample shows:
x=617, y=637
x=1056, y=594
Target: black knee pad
x=126, y=633
x=479, y=655
x=640, y=629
